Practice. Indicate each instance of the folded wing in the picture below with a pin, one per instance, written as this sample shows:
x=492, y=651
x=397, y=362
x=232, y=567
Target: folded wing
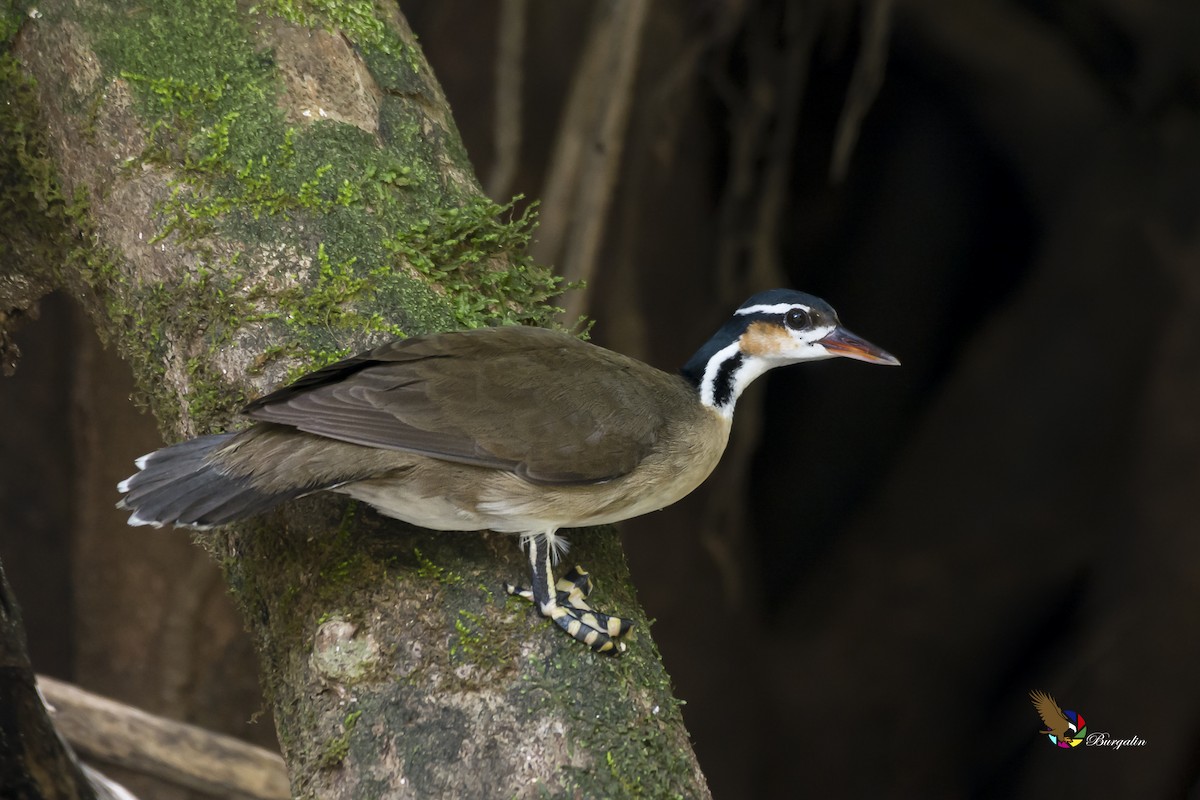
x=540, y=404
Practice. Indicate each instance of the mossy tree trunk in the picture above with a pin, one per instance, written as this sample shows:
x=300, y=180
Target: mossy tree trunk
x=237, y=194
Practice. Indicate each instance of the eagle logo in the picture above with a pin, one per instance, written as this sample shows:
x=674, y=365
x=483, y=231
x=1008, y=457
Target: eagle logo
x=1065, y=728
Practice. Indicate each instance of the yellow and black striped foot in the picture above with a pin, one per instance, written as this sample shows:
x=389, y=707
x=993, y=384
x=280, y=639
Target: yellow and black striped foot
x=565, y=602
x=574, y=587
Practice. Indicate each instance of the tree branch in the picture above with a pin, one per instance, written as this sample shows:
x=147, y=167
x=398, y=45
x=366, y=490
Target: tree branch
x=587, y=155
x=864, y=84
x=115, y=733
x=251, y=216
x=510, y=52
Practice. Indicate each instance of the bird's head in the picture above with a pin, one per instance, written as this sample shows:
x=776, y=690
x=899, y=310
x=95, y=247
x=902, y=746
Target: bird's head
x=773, y=329
x=782, y=327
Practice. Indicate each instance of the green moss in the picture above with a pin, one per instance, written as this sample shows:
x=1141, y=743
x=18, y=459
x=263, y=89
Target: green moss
x=488, y=596
x=391, y=246
x=211, y=303
x=480, y=640
x=383, y=245
x=358, y=20
x=33, y=208
x=469, y=628
x=46, y=233
x=478, y=254
x=427, y=570
x=336, y=748
x=12, y=14
x=210, y=397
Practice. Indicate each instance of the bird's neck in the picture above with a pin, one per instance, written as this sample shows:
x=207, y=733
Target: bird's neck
x=719, y=372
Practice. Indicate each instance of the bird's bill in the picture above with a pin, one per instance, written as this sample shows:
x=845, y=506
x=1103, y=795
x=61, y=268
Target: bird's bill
x=841, y=342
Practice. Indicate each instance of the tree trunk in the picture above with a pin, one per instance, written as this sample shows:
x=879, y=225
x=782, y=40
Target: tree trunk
x=249, y=194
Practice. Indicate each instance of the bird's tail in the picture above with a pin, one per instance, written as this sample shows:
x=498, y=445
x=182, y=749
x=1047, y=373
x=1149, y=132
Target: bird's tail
x=180, y=485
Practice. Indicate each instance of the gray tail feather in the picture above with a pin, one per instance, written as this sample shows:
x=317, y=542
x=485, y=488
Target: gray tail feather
x=179, y=485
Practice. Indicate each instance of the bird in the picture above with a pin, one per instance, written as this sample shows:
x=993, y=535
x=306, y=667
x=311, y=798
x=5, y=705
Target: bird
x=515, y=429
x=1056, y=722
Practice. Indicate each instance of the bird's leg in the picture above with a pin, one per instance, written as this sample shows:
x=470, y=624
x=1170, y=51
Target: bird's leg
x=572, y=589
x=564, y=601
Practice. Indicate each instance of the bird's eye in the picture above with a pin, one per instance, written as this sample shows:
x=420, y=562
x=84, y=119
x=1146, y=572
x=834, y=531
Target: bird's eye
x=797, y=318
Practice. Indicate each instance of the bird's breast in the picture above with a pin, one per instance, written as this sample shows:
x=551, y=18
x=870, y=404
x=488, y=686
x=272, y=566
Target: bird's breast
x=685, y=454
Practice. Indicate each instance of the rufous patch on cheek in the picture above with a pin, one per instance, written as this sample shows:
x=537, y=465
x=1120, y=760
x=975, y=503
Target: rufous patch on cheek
x=765, y=340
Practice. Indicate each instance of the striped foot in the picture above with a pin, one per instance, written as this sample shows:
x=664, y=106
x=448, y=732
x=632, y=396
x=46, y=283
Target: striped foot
x=565, y=601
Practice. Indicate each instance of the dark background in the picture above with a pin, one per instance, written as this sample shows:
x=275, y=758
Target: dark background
x=859, y=600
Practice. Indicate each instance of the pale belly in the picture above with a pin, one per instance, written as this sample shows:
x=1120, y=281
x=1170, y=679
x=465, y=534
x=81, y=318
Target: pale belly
x=442, y=496
x=522, y=511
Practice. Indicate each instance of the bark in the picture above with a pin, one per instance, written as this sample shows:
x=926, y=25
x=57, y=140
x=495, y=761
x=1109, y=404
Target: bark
x=34, y=762
x=257, y=193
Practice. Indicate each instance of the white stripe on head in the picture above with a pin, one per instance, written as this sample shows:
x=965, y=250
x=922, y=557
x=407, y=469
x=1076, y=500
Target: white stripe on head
x=778, y=308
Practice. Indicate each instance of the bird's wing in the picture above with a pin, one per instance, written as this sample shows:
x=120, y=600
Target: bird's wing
x=1053, y=718
x=537, y=403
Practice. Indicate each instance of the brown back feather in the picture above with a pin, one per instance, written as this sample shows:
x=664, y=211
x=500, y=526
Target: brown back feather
x=541, y=404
